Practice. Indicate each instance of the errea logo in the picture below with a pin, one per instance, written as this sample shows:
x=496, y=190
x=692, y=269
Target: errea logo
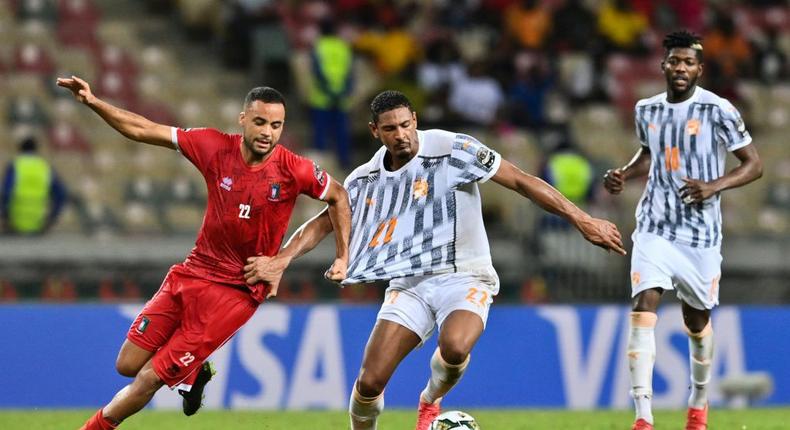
x=226, y=183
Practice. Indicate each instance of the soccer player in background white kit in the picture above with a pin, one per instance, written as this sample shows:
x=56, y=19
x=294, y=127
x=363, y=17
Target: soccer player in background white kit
x=417, y=221
x=685, y=134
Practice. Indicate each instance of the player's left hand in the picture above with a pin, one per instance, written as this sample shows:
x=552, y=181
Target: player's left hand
x=696, y=191
x=266, y=269
x=337, y=272
x=603, y=233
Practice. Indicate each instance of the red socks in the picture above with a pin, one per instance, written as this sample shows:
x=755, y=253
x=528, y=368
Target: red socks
x=98, y=422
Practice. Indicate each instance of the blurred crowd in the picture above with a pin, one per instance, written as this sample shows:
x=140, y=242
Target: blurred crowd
x=550, y=84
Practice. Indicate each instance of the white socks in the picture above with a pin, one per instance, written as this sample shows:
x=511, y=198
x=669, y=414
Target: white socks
x=700, y=356
x=444, y=376
x=641, y=356
x=364, y=411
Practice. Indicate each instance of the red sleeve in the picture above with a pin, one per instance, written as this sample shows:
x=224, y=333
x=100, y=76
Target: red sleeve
x=312, y=180
x=199, y=144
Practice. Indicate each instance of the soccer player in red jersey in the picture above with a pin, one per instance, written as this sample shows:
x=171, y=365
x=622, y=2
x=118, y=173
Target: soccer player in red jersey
x=252, y=187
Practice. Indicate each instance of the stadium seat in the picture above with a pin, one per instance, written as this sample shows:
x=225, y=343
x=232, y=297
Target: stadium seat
x=82, y=12
x=118, y=87
x=119, y=33
x=114, y=58
x=26, y=110
x=30, y=58
x=73, y=34
x=42, y=10
x=155, y=111
x=64, y=136
x=74, y=61
x=141, y=219
x=271, y=51
x=69, y=222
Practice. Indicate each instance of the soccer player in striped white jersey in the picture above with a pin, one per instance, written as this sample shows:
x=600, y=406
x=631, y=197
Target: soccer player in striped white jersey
x=417, y=222
x=685, y=134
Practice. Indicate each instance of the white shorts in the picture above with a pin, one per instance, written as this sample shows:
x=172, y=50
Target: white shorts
x=420, y=303
x=693, y=272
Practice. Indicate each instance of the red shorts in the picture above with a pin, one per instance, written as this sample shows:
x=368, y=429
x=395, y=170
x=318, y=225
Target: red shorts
x=186, y=321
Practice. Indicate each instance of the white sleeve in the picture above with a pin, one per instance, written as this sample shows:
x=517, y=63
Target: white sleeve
x=471, y=161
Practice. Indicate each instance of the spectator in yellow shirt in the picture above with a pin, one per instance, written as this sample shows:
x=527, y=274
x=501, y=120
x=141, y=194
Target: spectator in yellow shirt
x=622, y=26
x=392, y=50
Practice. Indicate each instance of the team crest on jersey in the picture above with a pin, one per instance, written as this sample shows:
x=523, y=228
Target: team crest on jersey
x=692, y=126
x=485, y=157
x=420, y=188
x=274, y=192
x=320, y=174
x=226, y=183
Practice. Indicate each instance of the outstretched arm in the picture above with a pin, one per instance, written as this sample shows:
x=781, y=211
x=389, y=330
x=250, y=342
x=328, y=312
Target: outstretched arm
x=614, y=179
x=129, y=124
x=599, y=232
x=750, y=169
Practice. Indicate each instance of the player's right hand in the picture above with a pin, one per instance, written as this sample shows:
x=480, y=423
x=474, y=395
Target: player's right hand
x=603, y=233
x=338, y=271
x=78, y=87
x=614, y=181
x=266, y=269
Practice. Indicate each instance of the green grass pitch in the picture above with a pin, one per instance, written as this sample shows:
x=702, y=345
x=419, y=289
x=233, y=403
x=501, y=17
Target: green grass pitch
x=748, y=419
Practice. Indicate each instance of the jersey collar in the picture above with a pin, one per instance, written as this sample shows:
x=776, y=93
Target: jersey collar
x=686, y=102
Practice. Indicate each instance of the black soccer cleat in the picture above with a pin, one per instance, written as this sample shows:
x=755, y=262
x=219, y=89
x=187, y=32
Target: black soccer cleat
x=193, y=399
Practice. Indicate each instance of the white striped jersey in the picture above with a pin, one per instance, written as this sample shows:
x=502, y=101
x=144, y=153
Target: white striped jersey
x=425, y=218
x=689, y=139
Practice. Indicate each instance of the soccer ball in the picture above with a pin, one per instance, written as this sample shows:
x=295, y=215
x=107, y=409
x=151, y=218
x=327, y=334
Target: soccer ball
x=454, y=420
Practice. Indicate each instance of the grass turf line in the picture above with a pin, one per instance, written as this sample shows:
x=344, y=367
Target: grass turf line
x=747, y=419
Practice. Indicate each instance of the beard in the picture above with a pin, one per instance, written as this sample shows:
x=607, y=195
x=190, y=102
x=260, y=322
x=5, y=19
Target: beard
x=259, y=148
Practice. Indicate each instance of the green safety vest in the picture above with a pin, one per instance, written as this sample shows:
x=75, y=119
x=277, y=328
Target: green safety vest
x=572, y=175
x=334, y=59
x=29, y=203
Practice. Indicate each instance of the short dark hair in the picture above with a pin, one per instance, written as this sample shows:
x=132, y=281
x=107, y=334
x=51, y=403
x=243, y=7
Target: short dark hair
x=683, y=39
x=386, y=101
x=264, y=94
x=28, y=144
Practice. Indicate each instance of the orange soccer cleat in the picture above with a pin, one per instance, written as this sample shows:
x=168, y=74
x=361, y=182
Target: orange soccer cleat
x=641, y=424
x=426, y=413
x=697, y=419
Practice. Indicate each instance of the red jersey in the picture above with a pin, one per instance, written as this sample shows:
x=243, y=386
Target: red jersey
x=248, y=207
